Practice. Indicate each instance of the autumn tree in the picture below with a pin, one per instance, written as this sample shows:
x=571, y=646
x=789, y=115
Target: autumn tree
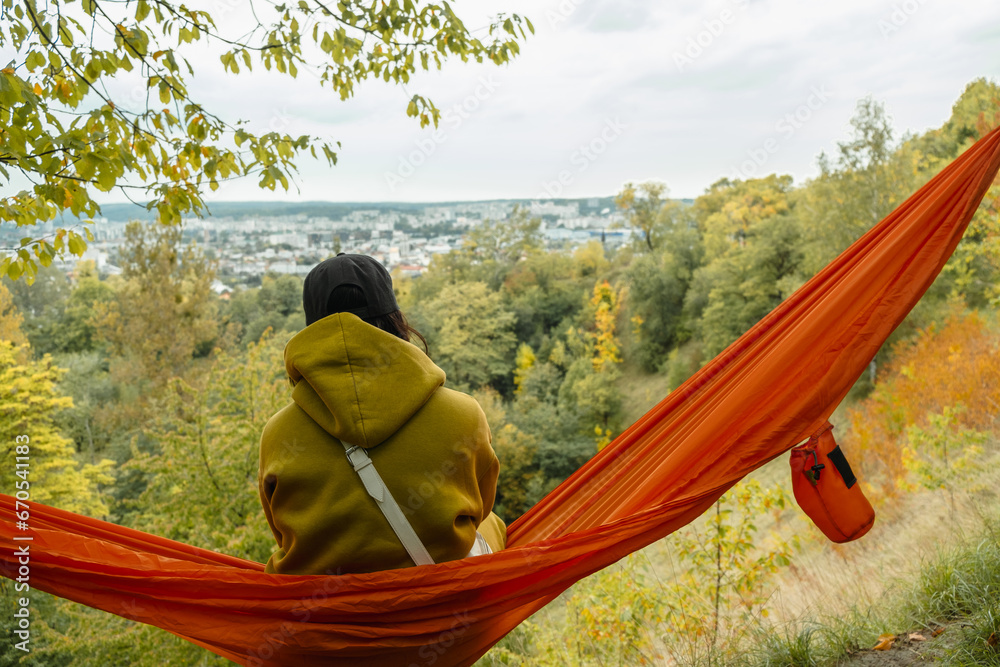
x=494, y=247
x=89, y=383
x=973, y=272
x=276, y=304
x=564, y=433
x=590, y=382
x=543, y=291
x=754, y=258
x=866, y=179
x=658, y=285
x=472, y=338
x=29, y=406
x=947, y=365
x=10, y=320
x=202, y=467
x=520, y=479
x=729, y=211
x=67, y=135
x=164, y=311
x=77, y=330
x=648, y=211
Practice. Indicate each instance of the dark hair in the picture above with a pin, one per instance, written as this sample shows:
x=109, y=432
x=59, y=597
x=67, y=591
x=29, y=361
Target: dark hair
x=350, y=297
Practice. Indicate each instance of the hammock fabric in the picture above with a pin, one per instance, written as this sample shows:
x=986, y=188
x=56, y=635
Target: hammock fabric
x=769, y=390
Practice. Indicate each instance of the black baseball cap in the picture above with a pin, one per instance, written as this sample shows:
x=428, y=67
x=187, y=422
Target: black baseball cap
x=363, y=272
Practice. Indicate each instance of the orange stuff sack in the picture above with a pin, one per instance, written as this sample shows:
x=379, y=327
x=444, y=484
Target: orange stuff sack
x=827, y=490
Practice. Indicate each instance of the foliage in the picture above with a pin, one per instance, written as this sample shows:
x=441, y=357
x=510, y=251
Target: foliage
x=544, y=291
x=164, y=311
x=699, y=612
x=973, y=272
x=494, y=247
x=29, y=406
x=869, y=179
x=753, y=243
x=11, y=320
x=519, y=476
x=275, y=305
x=957, y=362
x=204, y=465
x=658, y=285
x=563, y=433
x=724, y=571
x=612, y=618
x=943, y=452
x=524, y=361
x=730, y=211
x=648, y=212
x=89, y=384
x=471, y=337
x=202, y=490
x=41, y=306
x=76, y=331
x=65, y=132
x=590, y=379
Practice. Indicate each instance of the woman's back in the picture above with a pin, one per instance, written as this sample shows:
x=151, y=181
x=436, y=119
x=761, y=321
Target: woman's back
x=356, y=384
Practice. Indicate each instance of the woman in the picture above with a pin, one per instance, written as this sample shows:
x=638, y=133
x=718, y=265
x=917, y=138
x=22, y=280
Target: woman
x=375, y=465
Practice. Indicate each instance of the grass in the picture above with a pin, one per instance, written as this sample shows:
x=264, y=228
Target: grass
x=955, y=591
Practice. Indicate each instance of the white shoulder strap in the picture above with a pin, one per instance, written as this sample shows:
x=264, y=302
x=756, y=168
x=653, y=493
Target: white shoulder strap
x=480, y=547
x=377, y=489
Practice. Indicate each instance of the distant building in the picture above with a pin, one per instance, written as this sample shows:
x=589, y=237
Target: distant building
x=221, y=289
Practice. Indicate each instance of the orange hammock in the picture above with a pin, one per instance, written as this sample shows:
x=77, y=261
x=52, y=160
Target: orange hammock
x=769, y=390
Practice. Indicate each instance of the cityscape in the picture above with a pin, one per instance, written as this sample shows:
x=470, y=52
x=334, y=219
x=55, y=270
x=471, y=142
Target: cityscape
x=249, y=240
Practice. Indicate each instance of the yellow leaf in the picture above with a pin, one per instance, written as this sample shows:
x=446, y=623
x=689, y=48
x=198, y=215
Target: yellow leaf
x=884, y=642
x=38, y=89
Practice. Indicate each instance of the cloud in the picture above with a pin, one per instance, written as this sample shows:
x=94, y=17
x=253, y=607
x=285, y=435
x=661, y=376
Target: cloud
x=687, y=125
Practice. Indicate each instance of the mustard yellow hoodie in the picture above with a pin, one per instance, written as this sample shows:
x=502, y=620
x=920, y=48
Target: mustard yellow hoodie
x=357, y=384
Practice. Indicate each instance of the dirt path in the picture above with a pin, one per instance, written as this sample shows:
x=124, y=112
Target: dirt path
x=923, y=647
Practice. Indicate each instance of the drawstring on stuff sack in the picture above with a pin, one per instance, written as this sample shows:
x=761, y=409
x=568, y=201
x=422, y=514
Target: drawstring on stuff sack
x=827, y=490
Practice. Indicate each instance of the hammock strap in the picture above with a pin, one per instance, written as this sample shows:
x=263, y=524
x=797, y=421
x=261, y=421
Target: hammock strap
x=377, y=489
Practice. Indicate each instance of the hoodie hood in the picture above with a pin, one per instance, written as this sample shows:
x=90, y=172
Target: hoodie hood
x=359, y=383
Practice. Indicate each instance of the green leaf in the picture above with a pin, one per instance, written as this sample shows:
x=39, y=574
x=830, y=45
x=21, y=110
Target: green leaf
x=105, y=180
x=77, y=246
x=15, y=268
x=34, y=60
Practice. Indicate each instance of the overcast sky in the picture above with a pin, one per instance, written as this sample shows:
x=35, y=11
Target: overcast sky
x=608, y=92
